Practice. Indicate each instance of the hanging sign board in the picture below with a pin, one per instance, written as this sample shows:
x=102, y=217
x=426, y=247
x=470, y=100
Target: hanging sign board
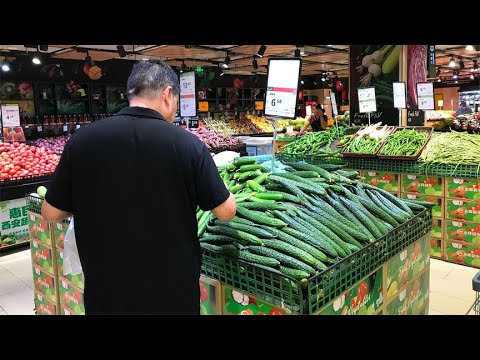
x=282, y=87
x=188, y=101
x=399, y=95
x=366, y=100
x=425, y=96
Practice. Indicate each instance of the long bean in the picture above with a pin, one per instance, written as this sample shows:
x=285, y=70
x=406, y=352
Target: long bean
x=404, y=143
x=452, y=148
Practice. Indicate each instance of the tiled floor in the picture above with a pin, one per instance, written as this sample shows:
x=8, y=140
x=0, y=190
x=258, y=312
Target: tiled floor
x=450, y=286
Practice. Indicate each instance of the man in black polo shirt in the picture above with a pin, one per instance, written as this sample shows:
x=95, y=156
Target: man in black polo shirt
x=133, y=183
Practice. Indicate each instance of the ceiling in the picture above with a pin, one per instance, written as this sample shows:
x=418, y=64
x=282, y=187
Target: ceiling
x=316, y=58
x=443, y=54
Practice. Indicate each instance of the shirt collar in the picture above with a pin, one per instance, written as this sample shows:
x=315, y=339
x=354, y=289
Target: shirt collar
x=141, y=111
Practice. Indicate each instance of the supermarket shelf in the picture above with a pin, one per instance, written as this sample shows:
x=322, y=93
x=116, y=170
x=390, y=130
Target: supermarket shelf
x=7, y=250
x=17, y=189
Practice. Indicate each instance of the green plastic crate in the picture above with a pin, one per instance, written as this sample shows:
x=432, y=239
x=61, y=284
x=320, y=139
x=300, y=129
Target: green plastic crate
x=460, y=170
x=34, y=204
x=323, y=287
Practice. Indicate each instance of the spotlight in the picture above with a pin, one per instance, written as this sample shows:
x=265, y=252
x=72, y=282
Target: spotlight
x=439, y=80
x=255, y=63
x=302, y=82
x=121, y=51
x=5, y=65
x=472, y=77
x=184, y=67
x=226, y=62
x=456, y=81
x=36, y=59
x=261, y=51
x=469, y=48
x=452, y=62
x=89, y=60
x=461, y=64
x=455, y=74
x=297, y=52
x=222, y=73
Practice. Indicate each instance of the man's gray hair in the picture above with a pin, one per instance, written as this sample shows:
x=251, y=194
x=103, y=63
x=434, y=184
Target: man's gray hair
x=150, y=77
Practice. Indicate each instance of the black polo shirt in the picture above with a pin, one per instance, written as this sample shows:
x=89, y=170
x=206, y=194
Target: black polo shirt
x=133, y=183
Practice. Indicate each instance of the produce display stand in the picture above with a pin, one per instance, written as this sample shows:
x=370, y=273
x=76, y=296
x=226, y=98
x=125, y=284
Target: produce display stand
x=13, y=216
x=55, y=293
x=455, y=189
x=250, y=289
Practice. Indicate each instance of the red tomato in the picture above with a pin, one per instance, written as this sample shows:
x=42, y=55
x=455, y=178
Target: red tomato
x=203, y=293
x=276, y=312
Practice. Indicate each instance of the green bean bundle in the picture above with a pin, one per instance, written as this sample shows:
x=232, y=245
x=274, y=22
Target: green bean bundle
x=406, y=142
x=452, y=148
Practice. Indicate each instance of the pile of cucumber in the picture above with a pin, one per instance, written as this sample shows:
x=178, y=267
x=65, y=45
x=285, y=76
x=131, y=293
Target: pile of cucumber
x=301, y=222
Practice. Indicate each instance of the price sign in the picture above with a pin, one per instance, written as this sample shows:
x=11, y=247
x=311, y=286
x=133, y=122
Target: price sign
x=308, y=110
x=10, y=115
x=399, y=95
x=333, y=99
x=282, y=87
x=188, y=102
x=203, y=106
x=65, y=127
x=366, y=100
x=39, y=128
x=425, y=96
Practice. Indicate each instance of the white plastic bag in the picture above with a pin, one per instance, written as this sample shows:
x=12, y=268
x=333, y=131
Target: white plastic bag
x=71, y=260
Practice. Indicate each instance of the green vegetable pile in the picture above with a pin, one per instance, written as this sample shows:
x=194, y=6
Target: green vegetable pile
x=364, y=145
x=406, y=142
x=452, y=148
x=301, y=222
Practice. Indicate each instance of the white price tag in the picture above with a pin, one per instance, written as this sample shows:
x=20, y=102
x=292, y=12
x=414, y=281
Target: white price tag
x=333, y=99
x=367, y=101
x=77, y=127
x=39, y=128
x=188, y=102
x=11, y=115
x=282, y=87
x=65, y=128
x=399, y=95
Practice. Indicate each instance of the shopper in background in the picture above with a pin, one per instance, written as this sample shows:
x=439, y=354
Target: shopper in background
x=318, y=120
x=133, y=183
x=464, y=109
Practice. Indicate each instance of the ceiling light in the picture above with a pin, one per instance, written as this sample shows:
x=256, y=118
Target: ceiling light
x=226, y=62
x=455, y=75
x=439, y=80
x=469, y=48
x=145, y=59
x=452, y=62
x=222, y=73
x=472, y=77
x=329, y=45
x=121, y=51
x=302, y=50
x=184, y=67
x=297, y=53
x=456, y=81
x=5, y=65
x=36, y=59
x=302, y=82
x=255, y=63
x=461, y=64
x=261, y=51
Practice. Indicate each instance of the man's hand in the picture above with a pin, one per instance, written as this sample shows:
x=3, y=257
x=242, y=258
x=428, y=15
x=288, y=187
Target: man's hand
x=51, y=213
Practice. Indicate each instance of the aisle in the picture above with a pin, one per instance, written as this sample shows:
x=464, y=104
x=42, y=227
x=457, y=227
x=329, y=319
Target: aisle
x=450, y=286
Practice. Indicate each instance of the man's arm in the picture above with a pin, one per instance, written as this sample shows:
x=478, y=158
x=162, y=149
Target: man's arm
x=51, y=213
x=227, y=210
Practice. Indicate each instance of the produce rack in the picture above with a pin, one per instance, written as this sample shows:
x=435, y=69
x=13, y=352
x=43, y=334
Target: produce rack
x=309, y=297
x=242, y=149
x=17, y=187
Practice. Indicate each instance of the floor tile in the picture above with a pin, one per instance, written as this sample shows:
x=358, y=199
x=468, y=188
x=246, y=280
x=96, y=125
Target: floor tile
x=21, y=268
x=6, y=259
x=3, y=313
x=435, y=312
x=448, y=304
x=9, y=284
x=19, y=303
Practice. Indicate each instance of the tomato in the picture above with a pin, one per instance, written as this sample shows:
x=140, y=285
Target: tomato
x=12, y=172
x=203, y=293
x=363, y=288
x=276, y=312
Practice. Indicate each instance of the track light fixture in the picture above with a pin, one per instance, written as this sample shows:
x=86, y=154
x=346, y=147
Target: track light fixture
x=455, y=74
x=184, y=67
x=261, y=51
x=89, y=60
x=36, y=59
x=297, y=52
x=438, y=71
x=121, y=51
x=472, y=77
x=475, y=65
x=226, y=62
x=452, y=63
x=461, y=64
x=43, y=48
x=255, y=63
x=5, y=65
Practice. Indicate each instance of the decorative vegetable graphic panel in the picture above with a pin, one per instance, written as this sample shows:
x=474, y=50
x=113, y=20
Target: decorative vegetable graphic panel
x=239, y=303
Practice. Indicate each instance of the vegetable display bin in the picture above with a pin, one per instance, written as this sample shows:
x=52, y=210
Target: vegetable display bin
x=240, y=303
x=413, y=298
x=43, y=306
x=42, y=256
x=45, y=283
x=423, y=185
x=383, y=180
x=71, y=299
x=457, y=188
x=462, y=210
x=211, y=302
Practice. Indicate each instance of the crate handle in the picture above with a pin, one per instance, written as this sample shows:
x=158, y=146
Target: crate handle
x=476, y=282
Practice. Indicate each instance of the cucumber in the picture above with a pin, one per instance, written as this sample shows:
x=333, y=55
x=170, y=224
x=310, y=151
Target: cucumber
x=220, y=239
x=255, y=186
x=230, y=167
x=256, y=259
x=270, y=196
x=304, y=166
x=260, y=179
x=321, y=244
x=276, y=187
x=375, y=210
x=240, y=220
x=203, y=222
x=263, y=206
x=291, y=250
x=252, y=167
x=285, y=196
x=364, y=219
x=239, y=161
x=317, y=254
x=244, y=176
x=305, y=174
x=199, y=214
x=301, y=183
x=236, y=234
x=393, y=199
x=246, y=228
x=282, y=258
x=353, y=248
x=398, y=216
x=392, y=208
x=426, y=204
x=256, y=199
x=259, y=218
x=236, y=188
x=415, y=206
x=294, y=273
